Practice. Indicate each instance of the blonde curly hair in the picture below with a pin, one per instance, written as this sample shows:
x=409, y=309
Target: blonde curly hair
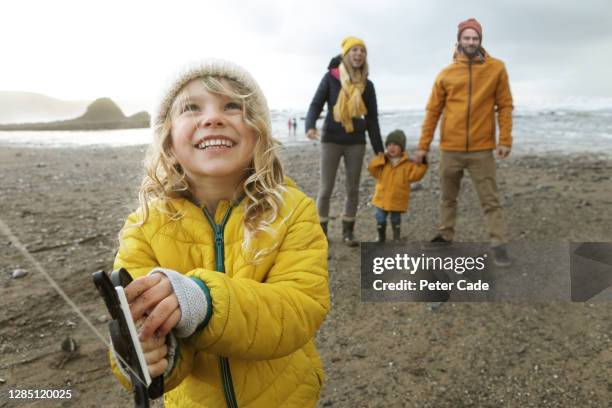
x=262, y=188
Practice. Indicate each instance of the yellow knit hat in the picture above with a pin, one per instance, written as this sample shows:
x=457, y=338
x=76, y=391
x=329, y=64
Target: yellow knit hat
x=350, y=42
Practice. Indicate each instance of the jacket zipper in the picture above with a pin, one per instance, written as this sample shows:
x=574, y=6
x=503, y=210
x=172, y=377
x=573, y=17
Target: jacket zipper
x=469, y=108
x=226, y=374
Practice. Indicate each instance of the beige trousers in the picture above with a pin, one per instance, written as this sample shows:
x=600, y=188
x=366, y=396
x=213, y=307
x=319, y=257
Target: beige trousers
x=481, y=167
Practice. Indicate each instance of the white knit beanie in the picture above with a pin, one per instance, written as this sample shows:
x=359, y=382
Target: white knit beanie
x=207, y=67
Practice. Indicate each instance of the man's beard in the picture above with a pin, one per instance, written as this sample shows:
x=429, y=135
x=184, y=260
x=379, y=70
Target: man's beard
x=470, y=52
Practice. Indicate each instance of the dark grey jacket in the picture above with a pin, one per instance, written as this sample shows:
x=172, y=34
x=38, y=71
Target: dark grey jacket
x=332, y=131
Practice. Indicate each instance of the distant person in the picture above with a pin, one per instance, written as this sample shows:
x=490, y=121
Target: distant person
x=351, y=111
x=229, y=259
x=289, y=126
x=393, y=172
x=468, y=93
x=294, y=126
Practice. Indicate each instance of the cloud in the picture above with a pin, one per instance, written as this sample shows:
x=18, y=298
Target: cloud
x=121, y=49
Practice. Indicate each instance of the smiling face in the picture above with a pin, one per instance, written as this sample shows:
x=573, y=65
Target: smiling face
x=210, y=137
x=357, y=56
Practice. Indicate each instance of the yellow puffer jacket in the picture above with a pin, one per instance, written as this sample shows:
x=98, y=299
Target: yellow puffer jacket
x=393, y=182
x=467, y=94
x=264, y=316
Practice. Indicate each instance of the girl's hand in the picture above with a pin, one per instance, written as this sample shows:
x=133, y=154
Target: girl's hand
x=153, y=298
x=155, y=352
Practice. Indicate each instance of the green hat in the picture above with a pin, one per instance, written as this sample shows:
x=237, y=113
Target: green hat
x=398, y=137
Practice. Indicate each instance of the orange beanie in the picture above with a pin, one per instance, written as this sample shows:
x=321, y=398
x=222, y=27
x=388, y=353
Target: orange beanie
x=469, y=23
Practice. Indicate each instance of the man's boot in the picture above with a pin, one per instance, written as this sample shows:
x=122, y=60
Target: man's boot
x=500, y=256
x=439, y=239
x=382, y=230
x=347, y=233
x=396, y=233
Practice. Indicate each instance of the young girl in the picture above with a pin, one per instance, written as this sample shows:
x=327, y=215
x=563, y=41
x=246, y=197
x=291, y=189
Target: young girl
x=394, y=173
x=230, y=257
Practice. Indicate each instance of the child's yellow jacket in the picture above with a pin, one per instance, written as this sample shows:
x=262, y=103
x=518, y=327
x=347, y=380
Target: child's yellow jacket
x=393, y=182
x=264, y=316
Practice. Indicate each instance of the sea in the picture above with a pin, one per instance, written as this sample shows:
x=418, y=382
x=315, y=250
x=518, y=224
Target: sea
x=535, y=131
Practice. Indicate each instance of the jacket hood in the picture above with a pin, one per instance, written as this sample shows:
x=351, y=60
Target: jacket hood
x=404, y=157
x=335, y=62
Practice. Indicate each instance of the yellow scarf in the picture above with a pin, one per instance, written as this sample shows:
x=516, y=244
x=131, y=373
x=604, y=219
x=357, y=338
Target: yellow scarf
x=350, y=103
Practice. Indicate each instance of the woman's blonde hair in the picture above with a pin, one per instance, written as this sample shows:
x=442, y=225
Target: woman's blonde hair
x=262, y=187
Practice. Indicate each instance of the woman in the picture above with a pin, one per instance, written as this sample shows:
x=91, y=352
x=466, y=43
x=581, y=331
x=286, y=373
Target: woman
x=351, y=111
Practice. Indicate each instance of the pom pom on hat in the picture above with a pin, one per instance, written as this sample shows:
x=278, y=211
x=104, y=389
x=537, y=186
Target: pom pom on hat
x=350, y=42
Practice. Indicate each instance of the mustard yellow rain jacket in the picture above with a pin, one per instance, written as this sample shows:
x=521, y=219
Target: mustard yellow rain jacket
x=393, y=182
x=264, y=316
x=467, y=94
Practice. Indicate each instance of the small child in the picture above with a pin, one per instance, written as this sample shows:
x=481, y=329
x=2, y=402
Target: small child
x=228, y=256
x=394, y=172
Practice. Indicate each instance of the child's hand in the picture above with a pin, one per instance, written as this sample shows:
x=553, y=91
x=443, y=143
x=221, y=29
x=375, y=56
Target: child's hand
x=153, y=298
x=155, y=352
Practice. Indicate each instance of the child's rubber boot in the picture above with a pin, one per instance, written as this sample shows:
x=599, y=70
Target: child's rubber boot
x=396, y=233
x=382, y=231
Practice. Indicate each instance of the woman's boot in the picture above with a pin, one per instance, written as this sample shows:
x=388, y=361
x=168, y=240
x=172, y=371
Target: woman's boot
x=347, y=233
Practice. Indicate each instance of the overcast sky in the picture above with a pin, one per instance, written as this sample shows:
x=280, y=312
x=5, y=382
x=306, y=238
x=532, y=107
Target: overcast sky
x=555, y=52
